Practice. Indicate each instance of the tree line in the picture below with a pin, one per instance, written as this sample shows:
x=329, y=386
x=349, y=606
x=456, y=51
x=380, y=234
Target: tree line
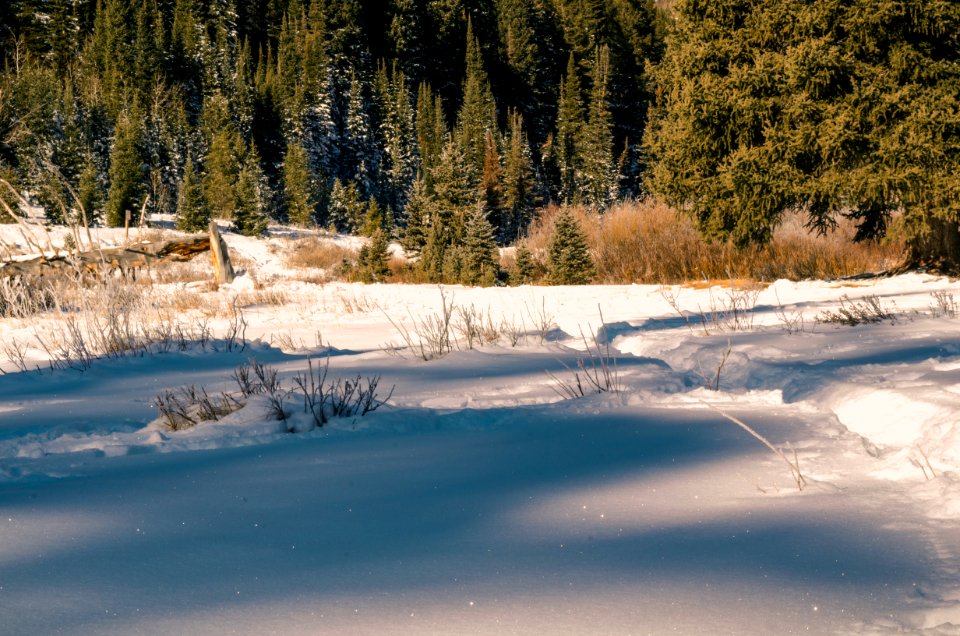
x=448, y=122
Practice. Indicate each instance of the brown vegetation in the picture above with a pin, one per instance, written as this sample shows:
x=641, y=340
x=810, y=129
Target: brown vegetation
x=648, y=242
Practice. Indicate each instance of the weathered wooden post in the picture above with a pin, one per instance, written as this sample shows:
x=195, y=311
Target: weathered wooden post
x=223, y=269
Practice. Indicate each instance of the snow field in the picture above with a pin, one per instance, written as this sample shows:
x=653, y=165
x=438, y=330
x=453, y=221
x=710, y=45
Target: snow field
x=482, y=502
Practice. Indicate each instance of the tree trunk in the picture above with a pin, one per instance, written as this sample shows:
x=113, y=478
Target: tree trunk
x=937, y=250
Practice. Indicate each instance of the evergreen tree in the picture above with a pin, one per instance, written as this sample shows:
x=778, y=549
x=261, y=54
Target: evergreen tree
x=478, y=113
x=373, y=220
x=301, y=192
x=346, y=208
x=568, y=256
x=253, y=197
x=373, y=262
x=480, y=262
x=398, y=134
x=360, y=161
x=222, y=162
x=836, y=114
x=417, y=218
x=518, y=186
x=193, y=215
x=90, y=189
x=570, y=125
x=431, y=131
x=126, y=173
x=598, y=182
x=524, y=268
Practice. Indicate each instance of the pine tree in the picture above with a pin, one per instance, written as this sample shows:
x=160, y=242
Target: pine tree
x=90, y=189
x=568, y=255
x=301, y=192
x=861, y=121
x=479, y=250
x=417, y=218
x=398, y=134
x=524, y=267
x=346, y=209
x=518, y=186
x=193, y=215
x=374, y=220
x=222, y=162
x=570, y=125
x=373, y=262
x=253, y=197
x=431, y=131
x=360, y=161
x=598, y=182
x=478, y=113
x=126, y=173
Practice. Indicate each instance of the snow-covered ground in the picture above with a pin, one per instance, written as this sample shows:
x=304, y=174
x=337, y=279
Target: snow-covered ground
x=479, y=500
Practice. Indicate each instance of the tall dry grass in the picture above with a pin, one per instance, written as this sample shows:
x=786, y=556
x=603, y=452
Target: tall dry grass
x=649, y=242
x=315, y=253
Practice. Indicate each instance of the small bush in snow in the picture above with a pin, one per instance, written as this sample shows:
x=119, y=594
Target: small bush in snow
x=945, y=305
x=869, y=310
x=596, y=371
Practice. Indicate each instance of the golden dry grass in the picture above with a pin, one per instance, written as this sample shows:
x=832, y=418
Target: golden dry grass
x=314, y=253
x=649, y=242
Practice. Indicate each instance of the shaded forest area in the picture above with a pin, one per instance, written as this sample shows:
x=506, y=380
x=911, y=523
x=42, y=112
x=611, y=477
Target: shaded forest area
x=400, y=115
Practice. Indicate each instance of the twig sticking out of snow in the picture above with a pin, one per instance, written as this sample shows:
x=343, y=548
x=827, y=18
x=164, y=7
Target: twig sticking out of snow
x=598, y=368
x=794, y=465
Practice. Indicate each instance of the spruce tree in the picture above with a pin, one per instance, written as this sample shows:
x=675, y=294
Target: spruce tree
x=126, y=173
x=346, y=209
x=524, y=266
x=253, y=197
x=417, y=218
x=518, y=186
x=193, y=215
x=835, y=115
x=570, y=125
x=480, y=263
x=300, y=188
x=373, y=262
x=222, y=162
x=598, y=182
x=568, y=255
x=478, y=113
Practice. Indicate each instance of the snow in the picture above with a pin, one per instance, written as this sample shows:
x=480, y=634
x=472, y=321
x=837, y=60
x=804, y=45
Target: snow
x=479, y=500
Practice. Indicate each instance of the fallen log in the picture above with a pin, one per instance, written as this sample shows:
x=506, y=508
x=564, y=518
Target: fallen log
x=126, y=259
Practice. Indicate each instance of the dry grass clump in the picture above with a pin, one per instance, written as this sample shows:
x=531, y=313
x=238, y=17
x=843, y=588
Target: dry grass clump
x=315, y=253
x=649, y=242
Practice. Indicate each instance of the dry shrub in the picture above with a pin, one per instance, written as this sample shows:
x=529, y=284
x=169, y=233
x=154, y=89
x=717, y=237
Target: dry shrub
x=197, y=269
x=316, y=253
x=649, y=242
x=264, y=297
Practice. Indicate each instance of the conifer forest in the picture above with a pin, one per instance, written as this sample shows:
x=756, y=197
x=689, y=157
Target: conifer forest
x=447, y=123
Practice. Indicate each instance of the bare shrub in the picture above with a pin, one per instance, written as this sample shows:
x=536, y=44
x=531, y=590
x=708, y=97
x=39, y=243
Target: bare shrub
x=851, y=313
x=21, y=297
x=323, y=399
x=255, y=378
x=431, y=336
x=596, y=370
x=475, y=326
x=729, y=310
x=944, y=305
